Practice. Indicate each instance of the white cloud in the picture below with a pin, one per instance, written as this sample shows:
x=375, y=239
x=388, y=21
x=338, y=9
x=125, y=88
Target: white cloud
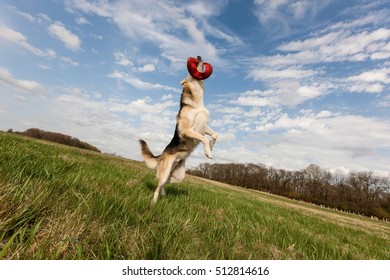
x=100, y=7
x=45, y=66
x=141, y=106
x=331, y=130
x=384, y=102
x=280, y=74
x=59, y=31
x=43, y=18
x=365, y=87
x=312, y=43
x=69, y=61
x=268, y=10
x=376, y=75
x=256, y=101
x=177, y=35
x=25, y=86
x=147, y=68
x=121, y=59
x=372, y=18
x=332, y=47
x=137, y=83
x=82, y=21
x=278, y=16
x=19, y=39
x=372, y=81
x=97, y=37
x=303, y=70
x=25, y=15
x=300, y=123
x=300, y=8
x=288, y=87
x=226, y=137
x=166, y=97
x=124, y=60
x=204, y=8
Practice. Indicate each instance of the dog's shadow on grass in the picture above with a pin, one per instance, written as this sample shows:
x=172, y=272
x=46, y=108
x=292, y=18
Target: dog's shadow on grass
x=170, y=189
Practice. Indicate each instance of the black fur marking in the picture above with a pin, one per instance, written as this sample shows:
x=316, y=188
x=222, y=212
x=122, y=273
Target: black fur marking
x=177, y=143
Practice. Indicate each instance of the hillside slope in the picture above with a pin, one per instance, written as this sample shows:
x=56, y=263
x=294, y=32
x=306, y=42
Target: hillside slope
x=58, y=202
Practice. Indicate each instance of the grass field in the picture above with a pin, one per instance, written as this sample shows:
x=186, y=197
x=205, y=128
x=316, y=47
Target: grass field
x=58, y=202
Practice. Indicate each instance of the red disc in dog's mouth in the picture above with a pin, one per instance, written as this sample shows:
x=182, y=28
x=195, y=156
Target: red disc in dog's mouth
x=192, y=63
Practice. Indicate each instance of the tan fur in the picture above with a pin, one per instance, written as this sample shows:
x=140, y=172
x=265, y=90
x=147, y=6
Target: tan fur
x=191, y=129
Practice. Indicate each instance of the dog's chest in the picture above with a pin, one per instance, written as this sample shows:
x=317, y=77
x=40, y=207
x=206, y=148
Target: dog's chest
x=195, y=118
x=200, y=120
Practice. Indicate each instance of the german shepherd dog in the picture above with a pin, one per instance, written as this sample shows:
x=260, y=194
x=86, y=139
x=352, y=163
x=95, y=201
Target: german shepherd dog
x=191, y=128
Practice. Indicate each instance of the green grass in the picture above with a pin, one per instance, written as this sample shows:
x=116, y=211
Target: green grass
x=58, y=202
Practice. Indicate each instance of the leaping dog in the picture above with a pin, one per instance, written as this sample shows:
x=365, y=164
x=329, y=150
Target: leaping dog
x=191, y=129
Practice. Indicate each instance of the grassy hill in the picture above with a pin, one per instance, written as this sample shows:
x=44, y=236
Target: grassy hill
x=58, y=202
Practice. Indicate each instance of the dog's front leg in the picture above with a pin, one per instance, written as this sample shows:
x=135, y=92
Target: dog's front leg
x=189, y=133
x=213, y=135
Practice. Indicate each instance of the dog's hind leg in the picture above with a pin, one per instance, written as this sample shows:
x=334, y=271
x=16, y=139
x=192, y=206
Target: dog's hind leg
x=163, y=176
x=178, y=173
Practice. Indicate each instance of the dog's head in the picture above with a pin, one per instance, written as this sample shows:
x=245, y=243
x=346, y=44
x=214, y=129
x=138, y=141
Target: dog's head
x=198, y=71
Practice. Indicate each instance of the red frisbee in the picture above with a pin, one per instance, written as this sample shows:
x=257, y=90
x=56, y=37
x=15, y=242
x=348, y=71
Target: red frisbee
x=192, y=62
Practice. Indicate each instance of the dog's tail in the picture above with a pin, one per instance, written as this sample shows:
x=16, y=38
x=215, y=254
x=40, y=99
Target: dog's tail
x=151, y=161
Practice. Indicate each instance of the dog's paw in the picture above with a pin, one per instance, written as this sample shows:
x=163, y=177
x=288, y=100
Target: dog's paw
x=212, y=142
x=154, y=200
x=208, y=154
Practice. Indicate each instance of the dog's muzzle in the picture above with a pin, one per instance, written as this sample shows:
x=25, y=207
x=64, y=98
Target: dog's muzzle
x=192, y=64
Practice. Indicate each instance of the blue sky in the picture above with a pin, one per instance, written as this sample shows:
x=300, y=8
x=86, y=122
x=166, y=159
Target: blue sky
x=294, y=82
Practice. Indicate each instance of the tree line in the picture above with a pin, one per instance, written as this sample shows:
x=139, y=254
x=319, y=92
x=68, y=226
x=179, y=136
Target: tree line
x=56, y=137
x=358, y=192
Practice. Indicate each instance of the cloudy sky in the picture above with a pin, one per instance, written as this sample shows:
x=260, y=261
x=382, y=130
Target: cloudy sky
x=294, y=82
